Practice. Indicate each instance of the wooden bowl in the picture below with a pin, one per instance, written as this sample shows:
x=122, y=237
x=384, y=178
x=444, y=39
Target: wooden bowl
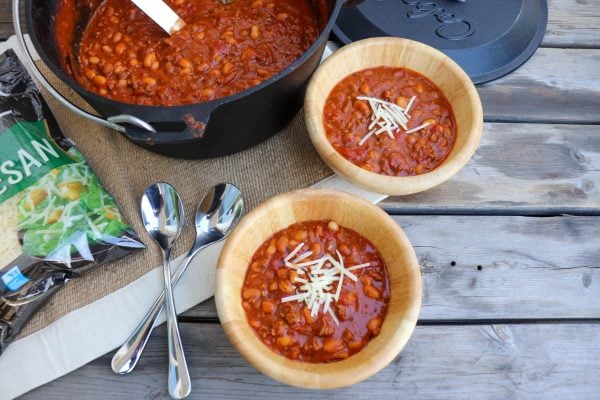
x=348, y=211
x=396, y=52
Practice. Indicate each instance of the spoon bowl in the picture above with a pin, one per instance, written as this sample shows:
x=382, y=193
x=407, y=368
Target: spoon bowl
x=162, y=214
x=218, y=213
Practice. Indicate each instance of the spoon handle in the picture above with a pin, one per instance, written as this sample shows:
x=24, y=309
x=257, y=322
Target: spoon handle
x=179, y=376
x=128, y=355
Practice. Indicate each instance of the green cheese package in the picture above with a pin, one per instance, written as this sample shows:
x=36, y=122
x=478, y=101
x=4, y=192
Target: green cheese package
x=56, y=219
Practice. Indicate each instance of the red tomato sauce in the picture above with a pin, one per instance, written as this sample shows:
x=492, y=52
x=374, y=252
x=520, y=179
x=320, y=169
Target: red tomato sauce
x=347, y=119
x=223, y=49
x=289, y=328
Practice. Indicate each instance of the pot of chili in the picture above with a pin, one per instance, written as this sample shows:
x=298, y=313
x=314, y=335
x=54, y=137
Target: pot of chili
x=233, y=77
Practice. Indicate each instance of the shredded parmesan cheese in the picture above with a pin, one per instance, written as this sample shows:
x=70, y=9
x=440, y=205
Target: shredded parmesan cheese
x=318, y=281
x=418, y=128
x=409, y=105
x=10, y=247
x=293, y=253
x=388, y=118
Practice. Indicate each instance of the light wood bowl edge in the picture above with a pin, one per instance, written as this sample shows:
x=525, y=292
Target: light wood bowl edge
x=404, y=275
x=396, y=52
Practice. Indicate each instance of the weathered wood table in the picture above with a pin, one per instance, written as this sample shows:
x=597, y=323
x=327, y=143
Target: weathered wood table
x=509, y=250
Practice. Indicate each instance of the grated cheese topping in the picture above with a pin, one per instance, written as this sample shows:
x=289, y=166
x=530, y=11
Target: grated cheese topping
x=10, y=248
x=319, y=277
x=387, y=117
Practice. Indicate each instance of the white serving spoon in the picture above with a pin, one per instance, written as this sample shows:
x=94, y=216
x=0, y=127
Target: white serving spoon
x=163, y=15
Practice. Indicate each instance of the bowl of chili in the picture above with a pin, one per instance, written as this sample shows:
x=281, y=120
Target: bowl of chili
x=318, y=289
x=393, y=116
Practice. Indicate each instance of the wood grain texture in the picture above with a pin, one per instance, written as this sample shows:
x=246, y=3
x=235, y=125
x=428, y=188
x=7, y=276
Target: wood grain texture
x=526, y=169
x=554, y=85
x=530, y=268
x=401, y=53
x=573, y=23
x=529, y=362
x=351, y=212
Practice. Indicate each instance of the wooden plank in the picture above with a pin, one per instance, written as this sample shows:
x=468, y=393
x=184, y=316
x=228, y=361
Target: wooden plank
x=501, y=267
x=555, y=85
x=571, y=23
x=543, y=361
x=520, y=169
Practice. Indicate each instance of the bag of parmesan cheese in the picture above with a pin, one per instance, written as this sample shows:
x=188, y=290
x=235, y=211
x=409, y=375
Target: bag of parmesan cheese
x=56, y=219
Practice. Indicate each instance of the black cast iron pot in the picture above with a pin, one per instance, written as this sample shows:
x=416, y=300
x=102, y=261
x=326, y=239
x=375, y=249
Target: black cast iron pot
x=203, y=130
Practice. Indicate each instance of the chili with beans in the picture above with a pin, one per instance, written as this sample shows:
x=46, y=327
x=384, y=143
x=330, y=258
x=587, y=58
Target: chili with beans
x=289, y=328
x=223, y=49
x=347, y=120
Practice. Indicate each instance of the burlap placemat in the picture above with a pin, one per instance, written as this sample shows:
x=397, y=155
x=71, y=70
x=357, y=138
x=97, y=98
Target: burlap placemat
x=285, y=162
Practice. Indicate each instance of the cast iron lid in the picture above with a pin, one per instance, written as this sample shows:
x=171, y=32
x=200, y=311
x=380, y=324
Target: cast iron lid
x=488, y=38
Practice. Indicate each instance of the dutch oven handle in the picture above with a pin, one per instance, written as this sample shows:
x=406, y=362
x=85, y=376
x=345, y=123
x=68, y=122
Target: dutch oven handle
x=113, y=122
x=188, y=128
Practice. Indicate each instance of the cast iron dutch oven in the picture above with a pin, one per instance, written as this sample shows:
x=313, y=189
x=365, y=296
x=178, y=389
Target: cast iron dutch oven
x=203, y=130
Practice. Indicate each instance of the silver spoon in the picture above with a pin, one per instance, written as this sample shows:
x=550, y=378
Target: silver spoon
x=163, y=217
x=217, y=215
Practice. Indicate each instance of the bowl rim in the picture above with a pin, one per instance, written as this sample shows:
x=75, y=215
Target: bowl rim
x=314, y=375
x=385, y=184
